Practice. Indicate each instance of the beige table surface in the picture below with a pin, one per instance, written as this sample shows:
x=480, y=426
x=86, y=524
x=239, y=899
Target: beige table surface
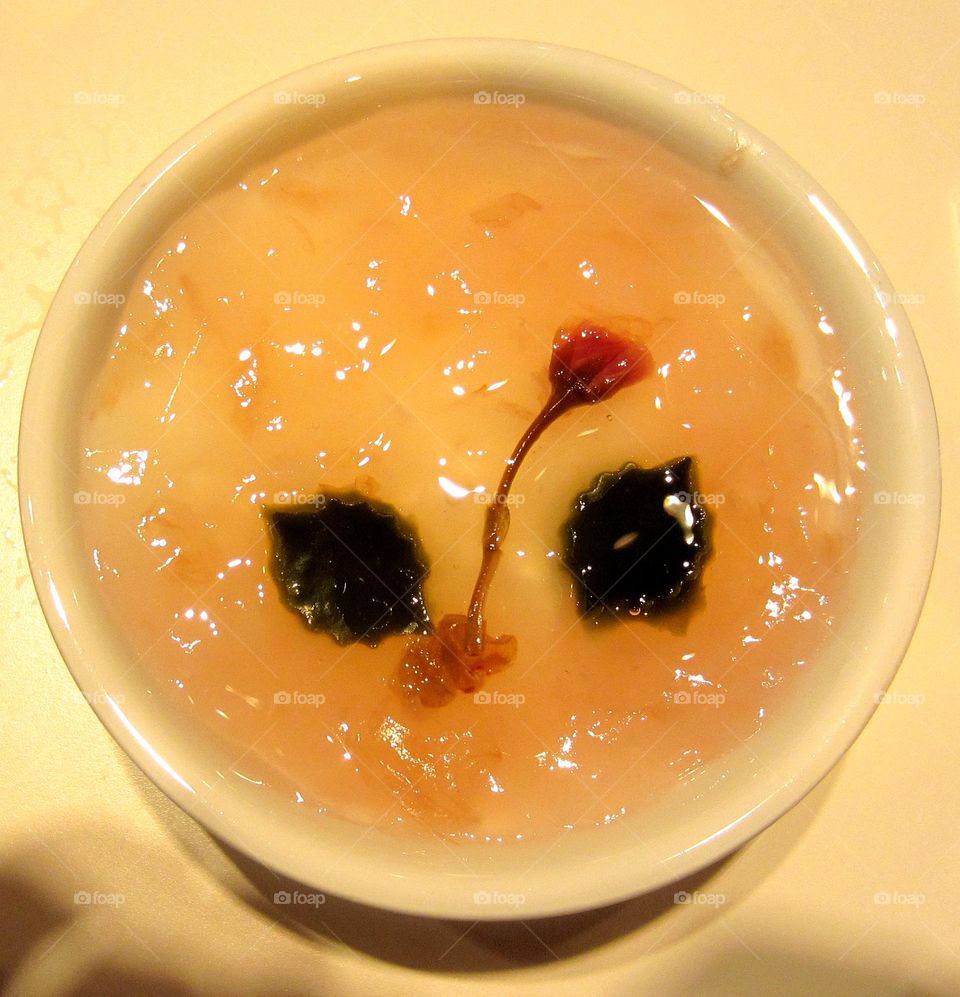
x=799, y=912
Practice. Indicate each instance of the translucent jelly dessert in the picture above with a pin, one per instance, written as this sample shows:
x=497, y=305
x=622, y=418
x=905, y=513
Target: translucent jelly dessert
x=370, y=314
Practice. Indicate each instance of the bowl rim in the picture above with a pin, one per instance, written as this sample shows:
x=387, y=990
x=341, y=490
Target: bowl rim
x=403, y=895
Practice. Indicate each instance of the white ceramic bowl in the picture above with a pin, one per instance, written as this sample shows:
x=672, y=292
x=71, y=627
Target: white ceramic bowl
x=688, y=828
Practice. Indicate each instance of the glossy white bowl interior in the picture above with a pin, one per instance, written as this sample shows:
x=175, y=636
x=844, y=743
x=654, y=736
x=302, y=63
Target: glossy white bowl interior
x=689, y=827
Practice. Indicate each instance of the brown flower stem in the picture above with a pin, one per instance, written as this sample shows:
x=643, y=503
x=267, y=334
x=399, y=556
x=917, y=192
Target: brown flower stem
x=588, y=364
x=498, y=518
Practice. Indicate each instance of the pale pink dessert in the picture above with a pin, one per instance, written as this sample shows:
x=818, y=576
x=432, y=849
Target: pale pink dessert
x=373, y=310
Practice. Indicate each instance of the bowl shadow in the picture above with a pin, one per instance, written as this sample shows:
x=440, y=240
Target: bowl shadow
x=464, y=946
